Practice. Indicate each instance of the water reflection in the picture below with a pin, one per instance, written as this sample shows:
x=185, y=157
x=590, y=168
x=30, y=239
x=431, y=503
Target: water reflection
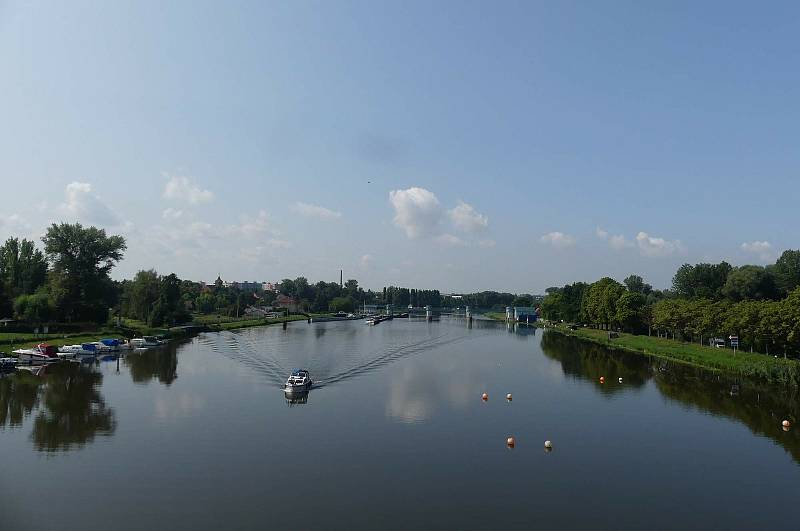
x=73, y=411
x=160, y=363
x=293, y=399
x=19, y=395
x=759, y=408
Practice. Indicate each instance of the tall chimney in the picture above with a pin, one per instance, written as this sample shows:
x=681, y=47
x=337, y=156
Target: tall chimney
x=341, y=278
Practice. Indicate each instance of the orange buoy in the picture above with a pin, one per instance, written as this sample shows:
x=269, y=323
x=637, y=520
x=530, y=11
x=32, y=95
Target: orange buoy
x=510, y=442
x=602, y=379
x=508, y=397
x=786, y=424
x=485, y=397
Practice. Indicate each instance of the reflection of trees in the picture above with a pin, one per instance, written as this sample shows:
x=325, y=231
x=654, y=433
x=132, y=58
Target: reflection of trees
x=161, y=363
x=591, y=361
x=19, y=394
x=73, y=410
x=760, y=409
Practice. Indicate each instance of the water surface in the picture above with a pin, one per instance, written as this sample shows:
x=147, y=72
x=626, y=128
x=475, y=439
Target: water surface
x=394, y=435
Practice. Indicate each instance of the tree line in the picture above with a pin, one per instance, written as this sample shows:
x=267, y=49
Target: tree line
x=759, y=305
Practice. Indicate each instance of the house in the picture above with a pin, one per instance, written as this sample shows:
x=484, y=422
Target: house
x=284, y=301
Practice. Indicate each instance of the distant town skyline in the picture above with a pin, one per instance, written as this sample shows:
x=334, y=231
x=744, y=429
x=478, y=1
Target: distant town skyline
x=443, y=146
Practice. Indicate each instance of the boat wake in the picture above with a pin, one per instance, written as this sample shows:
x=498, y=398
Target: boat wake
x=261, y=354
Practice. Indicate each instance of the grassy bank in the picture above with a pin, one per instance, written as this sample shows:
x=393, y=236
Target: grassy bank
x=247, y=323
x=497, y=316
x=756, y=366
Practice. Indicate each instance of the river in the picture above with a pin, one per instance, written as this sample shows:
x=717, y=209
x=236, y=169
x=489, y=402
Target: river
x=394, y=435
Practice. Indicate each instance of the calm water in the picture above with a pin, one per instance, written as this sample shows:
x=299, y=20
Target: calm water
x=393, y=436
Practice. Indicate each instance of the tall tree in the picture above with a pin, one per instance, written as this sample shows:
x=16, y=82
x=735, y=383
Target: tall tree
x=636, y=284
x=81, y=259
x=750, y=282
x=23, y=268
x=787, y=270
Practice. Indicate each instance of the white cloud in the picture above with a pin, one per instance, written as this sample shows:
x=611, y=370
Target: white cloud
x=252, y=226
x=558, y=239
x=486, y=243
x=171, y=213
x=466, y=218
x=763, y=249
x=655, y=247
x=417, y=211
x=450, y=240
x=182, y=189
x=82, y=204
x=315, y=211
x=617, y=241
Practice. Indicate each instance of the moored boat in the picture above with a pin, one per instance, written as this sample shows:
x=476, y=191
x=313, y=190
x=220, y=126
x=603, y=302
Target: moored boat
x=41, y=353
x=146, y=342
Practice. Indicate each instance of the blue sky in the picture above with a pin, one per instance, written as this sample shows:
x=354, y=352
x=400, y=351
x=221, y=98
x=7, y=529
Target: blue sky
x=451, y=145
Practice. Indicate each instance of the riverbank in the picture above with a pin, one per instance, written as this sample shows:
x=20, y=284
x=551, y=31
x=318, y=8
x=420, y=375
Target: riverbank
x=130, y=328
x=769, y=369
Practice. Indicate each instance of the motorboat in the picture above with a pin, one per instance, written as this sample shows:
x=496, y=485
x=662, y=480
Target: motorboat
x=298, y=382
x=112, y=344
x=146, y=342
x=41, y=353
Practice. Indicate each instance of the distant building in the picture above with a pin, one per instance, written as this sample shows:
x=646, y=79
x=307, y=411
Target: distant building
x=249, y=286
x=269, y=286
x=283, y=301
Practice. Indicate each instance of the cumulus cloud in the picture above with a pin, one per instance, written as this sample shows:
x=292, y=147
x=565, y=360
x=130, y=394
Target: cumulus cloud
x=558, y=239
x=315, y=211
x=82, y=204
x=656, y=247
x=417, y=211
x=615, y=241
x=466, y=218
x=182, y=189
x=762, y=249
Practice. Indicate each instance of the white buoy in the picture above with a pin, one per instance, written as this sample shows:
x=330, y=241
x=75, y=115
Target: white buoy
x=620, y=380
x=485, y=397
x=510, y=442
x=548, y=445
x=508, y=397
x=786, y=424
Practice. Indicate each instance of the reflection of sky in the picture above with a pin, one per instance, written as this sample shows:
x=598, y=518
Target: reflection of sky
x=423, y=385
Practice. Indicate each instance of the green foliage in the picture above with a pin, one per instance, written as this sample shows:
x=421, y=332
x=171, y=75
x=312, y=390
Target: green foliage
x=701, y=281
x=36, y=308
x=23, y=268
x=750, y=282
x=81, y=259
x=787, y=270
x=342, y=304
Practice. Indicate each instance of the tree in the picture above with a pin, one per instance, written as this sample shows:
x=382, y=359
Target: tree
x=23, y=268
x=787, y=270
x=701, y=281
x=342, y=304
x=630, y=310
x=81, y=260
x=636, y=284
x=206, y=303
x=144, y=290
x=601, y=301
x=750, y=282
x=34, y=309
